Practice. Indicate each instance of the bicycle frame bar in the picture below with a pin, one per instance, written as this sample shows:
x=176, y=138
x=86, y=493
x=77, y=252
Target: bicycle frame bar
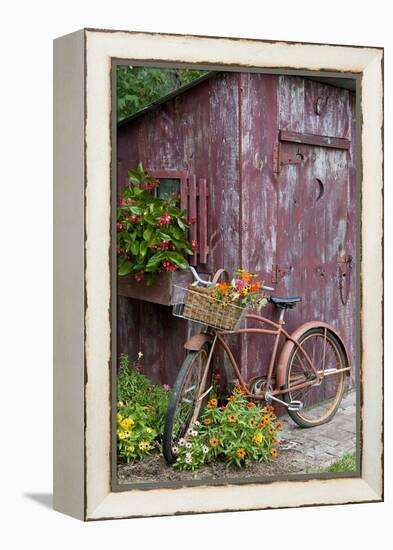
x=291, y=341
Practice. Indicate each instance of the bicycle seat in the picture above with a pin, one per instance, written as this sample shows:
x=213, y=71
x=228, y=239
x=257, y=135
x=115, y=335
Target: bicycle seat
x=285, y=303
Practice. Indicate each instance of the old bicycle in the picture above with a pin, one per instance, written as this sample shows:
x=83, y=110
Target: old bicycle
x=307, y=378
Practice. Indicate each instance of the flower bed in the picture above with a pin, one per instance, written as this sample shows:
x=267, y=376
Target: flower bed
x=238, y=433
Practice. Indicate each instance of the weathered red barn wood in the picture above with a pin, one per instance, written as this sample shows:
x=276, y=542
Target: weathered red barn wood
x=202, y=221
x=293, y=225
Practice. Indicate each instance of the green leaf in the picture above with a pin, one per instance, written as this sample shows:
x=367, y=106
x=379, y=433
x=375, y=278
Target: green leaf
x=147, y=234
x=136, y=210
x=134, y=176
x=181, y=224
x=143, y=248
x=138, y=191
x=178, y=259
x=155, y=261
x=149, y=279
x=135, y=248
x=125, y=268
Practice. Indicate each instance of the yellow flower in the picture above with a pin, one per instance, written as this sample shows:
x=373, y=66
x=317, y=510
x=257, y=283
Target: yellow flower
x=122, y=435
x=232, y=418
x=120, y=404
x=127, y=434
x=240, y=453
x=214, y=442
x=271, y=430
x=258, y=438
x=126, y=423
x=273, y=452
x=212, y=403
x=252, y=422
x=119, y=417
x=130, y=448
x=266, y=419
x=144, y=445
x=149, y=430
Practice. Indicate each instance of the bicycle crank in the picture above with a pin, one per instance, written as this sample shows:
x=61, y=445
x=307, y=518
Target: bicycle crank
x=294, y=406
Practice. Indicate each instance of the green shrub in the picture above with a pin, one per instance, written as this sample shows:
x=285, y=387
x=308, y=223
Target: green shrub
x=141, y=410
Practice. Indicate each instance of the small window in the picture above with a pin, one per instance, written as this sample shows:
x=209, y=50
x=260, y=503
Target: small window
x=167, y=188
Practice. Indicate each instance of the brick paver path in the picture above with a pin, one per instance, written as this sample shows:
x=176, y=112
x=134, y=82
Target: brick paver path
x=324, y=444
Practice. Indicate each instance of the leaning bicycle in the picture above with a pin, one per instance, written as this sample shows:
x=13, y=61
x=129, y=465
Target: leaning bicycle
x=308, y=377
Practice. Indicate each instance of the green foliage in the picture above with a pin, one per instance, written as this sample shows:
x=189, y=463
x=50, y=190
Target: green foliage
x=138, y=87
x=141, y=410
x=238, y=433
x=347, y=463
x=151, y=231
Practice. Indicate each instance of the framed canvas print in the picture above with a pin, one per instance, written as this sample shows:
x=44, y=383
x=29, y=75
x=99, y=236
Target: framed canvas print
x=218, y=274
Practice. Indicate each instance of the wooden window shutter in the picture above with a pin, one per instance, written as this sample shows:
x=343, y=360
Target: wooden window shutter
x=193, y=198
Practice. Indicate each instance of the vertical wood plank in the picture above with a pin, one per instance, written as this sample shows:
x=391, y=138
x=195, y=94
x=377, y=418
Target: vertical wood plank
x=202, y=221
x=192, y=213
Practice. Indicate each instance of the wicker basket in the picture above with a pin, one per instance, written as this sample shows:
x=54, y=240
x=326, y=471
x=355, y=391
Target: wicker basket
x=200, y=305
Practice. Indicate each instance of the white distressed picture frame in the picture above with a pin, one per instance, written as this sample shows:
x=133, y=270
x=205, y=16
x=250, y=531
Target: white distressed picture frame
x=82, y=335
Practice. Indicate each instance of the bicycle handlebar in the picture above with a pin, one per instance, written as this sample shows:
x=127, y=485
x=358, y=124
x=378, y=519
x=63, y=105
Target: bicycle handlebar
x=204, y=282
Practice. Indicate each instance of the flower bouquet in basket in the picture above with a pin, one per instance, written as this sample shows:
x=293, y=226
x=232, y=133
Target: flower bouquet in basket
x=222, y=304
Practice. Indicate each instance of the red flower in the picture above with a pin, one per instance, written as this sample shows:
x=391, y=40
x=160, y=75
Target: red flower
x=119, y=226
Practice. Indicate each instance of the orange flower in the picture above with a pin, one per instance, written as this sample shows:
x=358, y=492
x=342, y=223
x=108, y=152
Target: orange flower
x=207, y=421
x=255, y=286
x=251, y=404
x=279, y=425
x=273, y=452
x=271, y=430
x=222, y=287
x=223, y=408
x=246, y=276
x=262, y=424
x=231, y=398
x=214, y=442
x=270, y=409
x=240, y=453
x=232, y=418
x=266, y=419
x=212, y=403
x=274, y=440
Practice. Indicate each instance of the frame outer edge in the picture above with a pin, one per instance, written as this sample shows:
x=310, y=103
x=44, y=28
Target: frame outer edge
x=69, y=276
x=101, y=502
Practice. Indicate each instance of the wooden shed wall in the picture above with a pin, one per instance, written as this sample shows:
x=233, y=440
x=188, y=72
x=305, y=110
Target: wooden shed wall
x=225, y=130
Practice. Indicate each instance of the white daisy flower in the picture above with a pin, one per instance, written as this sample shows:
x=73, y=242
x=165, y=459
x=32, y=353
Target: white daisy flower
x=205, y=450
x=189, y=445
x=181, y=442
x=188, y=455
x=188, y=460
x=175, y=450
x=197, y=423
x=190, y=431
x=194, y=433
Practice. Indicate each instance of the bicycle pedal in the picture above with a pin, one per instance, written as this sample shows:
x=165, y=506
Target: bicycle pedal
x=295, y=406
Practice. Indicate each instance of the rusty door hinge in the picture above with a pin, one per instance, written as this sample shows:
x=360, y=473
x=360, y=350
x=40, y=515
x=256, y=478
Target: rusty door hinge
x=279, y=271
x=282, y=157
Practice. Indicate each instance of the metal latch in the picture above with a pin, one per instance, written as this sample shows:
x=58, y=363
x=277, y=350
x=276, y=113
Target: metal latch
x=282, y=157
x=279, y=271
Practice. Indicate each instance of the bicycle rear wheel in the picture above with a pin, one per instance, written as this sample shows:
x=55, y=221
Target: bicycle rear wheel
x=322, y=399
x=185, y=405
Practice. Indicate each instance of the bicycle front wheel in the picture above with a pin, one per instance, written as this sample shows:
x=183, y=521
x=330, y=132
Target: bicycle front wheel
x=320, y=400
x=192, y=382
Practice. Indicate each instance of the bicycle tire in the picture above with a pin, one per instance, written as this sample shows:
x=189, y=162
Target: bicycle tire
x=319, y=408
x=189, y=367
